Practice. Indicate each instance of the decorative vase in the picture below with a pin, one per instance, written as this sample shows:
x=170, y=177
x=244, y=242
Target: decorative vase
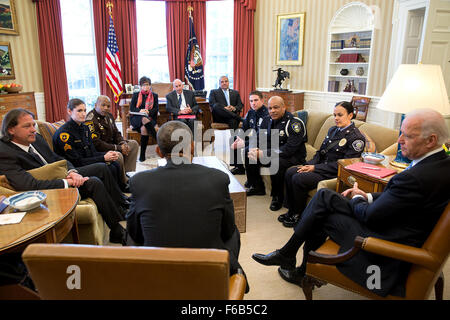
x=359, y=71
x=344, y=72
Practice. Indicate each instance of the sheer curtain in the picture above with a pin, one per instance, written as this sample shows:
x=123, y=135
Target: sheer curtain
x=56, y=92
x=124, y=16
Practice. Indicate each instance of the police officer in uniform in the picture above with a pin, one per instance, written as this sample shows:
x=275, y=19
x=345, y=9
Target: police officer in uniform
x=252, y=120
x=343, y=140
x=291, y=151
x=106, y=137
x=73, y=142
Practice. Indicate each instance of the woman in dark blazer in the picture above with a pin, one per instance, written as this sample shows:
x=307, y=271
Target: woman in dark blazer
x=144, y=102
x=343, y=140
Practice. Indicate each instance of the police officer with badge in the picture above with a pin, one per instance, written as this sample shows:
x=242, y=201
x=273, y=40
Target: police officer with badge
x=343, y=140
x=107, y=137
x=73, y=141
x=291, y=150
x=252, y=120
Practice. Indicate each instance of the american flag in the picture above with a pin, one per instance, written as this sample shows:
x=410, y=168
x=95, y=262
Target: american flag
x=113, y=68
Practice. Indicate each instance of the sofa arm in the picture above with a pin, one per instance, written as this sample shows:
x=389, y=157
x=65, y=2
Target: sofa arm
x=390, y=151
x=237, y=287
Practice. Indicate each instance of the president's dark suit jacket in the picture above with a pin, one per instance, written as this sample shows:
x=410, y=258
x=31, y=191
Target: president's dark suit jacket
x=405, y=212
x=217, y=99
x=185, y=205
x=172, y=102
x=14, y=162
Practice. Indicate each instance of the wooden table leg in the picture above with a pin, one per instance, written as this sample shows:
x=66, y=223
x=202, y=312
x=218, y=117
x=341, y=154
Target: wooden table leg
x=75, y=235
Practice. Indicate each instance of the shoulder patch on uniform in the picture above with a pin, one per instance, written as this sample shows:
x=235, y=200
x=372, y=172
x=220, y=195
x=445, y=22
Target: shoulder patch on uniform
x=295, y=126
x=67, y=147
x=90, y=116
x=64, y=137
x=358, y=145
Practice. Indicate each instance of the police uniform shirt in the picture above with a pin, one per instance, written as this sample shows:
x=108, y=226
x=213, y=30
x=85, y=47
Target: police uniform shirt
x=291, y=137
x=104, y=132
x=338, y=144
x=253, y=119
x=74, y=142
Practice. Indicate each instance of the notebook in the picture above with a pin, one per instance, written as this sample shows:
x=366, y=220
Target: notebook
x=371, y=170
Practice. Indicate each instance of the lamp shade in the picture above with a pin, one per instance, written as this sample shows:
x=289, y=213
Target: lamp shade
x=416, y=86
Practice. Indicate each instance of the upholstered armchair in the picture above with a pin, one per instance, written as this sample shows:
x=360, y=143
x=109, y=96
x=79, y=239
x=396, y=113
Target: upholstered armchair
x=426, y=263
x=145, y=272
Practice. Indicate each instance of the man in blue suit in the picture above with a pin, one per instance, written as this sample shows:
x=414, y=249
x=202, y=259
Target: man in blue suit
x=405, y=212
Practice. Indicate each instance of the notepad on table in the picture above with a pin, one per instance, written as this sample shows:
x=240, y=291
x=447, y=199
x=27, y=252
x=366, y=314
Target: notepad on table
x=370, y=170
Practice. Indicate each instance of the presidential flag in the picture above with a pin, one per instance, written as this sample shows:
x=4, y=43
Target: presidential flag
x=113, y=68
x=193, y=69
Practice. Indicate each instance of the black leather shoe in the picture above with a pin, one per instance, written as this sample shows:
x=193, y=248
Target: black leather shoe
x=275, y=258
x=118, y=235
x=284, y=216
x=275, y=205
x=252, y=191
x=237, y=170
x=291, y=221
x=292, y=275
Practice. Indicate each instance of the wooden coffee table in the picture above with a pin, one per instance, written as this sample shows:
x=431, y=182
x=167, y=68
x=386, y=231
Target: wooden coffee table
x=346, y=178
x=49, y=223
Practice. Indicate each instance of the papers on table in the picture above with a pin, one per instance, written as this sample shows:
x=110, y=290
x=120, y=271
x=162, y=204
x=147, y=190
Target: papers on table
x=11, y=218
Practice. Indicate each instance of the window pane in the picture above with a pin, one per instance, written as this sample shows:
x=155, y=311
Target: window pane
x=82, y=78
x=77, y=26
x=152, y=41
x=219, y=42
x=79, y=50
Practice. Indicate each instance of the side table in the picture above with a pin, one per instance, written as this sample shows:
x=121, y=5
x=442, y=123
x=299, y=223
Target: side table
x=347, y=178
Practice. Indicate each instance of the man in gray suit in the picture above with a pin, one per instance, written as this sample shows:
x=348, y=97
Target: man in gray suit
x=182, y=104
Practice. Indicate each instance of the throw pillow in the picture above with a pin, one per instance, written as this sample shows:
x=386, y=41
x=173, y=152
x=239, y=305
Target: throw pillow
x=370, y=145
x=47, y=130
x=303, y=115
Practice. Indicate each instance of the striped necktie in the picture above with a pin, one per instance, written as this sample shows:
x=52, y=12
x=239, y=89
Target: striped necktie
x=180, y=100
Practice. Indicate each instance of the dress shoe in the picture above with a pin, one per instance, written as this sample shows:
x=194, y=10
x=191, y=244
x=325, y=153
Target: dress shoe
x=118, y=235
x=294, y=276
x=238, y=170
x=275, y=205
x=284, y=216
x=252, y=191
x=275, y=258
x=291, y=221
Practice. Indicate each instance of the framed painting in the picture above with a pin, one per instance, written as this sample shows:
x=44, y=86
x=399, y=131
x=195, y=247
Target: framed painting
x=8, y=20
x=290, y=35
x=6, y=62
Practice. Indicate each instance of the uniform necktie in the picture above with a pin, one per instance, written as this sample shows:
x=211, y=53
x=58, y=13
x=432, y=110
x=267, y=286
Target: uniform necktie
x=35, y=156
x=180, y=100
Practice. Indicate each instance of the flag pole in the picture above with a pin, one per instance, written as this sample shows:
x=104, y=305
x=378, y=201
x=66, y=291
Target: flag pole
x=110, y=6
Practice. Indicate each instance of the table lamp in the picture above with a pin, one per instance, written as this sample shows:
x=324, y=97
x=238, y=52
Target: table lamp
x=414, y=86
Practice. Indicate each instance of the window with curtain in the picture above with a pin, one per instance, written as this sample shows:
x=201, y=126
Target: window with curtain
x=79, y=50
x=153, y=60
x=219, y=42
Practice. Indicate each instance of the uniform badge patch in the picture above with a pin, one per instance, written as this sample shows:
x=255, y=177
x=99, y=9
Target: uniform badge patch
x=67, y=147
x=358, y=145
x=342, y=142
x=296, y=127
x=281, y=133
x=64, y=137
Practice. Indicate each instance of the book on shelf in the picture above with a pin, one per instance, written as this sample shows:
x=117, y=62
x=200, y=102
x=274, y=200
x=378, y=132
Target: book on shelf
x=362, y=88
x=337, y=44
x=333, y=86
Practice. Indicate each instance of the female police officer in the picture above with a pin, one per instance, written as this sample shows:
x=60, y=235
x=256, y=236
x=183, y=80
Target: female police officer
x=343, y=140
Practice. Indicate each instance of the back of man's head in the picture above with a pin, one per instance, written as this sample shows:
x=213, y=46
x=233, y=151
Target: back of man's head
x=431, y=122
x=174, y=138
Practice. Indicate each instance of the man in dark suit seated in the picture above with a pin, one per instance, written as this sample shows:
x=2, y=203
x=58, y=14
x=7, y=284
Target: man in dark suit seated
x=405, y=212
x=226, y=104
x=167, y=211
x=182, y=104
x=21, y=149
